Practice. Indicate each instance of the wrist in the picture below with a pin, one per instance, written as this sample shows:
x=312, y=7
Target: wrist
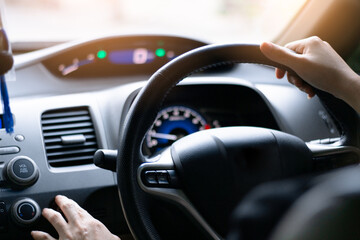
x=350, y=92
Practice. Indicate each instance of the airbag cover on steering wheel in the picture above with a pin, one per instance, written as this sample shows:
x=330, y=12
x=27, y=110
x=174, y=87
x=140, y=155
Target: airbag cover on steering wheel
x=218, y=167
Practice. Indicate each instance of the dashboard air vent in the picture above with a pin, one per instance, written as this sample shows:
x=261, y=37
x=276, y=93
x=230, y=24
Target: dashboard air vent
x=69, y=136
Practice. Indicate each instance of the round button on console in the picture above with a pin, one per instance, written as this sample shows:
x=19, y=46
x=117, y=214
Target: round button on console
x=25, y=211
x=22, y=171
x=23, y=168
x=19, y=138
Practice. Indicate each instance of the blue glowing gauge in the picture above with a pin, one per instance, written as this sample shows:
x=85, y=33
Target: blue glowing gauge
x=171, y=124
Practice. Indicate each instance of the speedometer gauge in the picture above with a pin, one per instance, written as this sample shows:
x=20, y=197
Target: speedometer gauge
x=171, y=124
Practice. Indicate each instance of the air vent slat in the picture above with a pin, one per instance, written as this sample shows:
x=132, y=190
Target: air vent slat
x=67, y=126
x=65, y=114
x=60, y=146
x=80, y=158
x=65, y=120
x=69, y=132
x=71, y=152
x=57, y=124
x=57, y=139
x=61, y=162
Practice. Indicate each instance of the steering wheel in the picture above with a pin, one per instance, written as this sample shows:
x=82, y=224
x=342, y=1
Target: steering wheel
x=209, y=172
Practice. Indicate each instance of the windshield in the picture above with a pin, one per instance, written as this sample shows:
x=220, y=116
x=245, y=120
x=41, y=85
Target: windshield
x=211, y=20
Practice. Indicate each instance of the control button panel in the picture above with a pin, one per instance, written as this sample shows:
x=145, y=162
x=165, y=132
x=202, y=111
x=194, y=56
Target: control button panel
x=25, y=211
x=160, y=178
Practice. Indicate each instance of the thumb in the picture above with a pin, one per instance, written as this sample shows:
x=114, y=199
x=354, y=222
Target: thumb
x=279, y=54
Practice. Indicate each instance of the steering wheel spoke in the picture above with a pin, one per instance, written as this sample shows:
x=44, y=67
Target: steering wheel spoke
x=158, y=172
x=331, y=156
x=157, y=176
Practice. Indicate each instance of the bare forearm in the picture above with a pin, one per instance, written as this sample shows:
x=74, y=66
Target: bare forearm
x=351, y=93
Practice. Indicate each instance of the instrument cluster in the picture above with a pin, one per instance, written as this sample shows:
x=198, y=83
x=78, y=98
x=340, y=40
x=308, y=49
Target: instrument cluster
x=173, y=123
x=192, y=108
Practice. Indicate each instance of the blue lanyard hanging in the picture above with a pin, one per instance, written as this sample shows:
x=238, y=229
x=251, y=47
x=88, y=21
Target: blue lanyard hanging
x=7, y=116
x=6, y=63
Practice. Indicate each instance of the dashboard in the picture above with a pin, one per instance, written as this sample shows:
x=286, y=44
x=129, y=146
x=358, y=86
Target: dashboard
x=70, y=100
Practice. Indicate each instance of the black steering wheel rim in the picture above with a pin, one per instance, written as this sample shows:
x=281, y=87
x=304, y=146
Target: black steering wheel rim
x=149, y=101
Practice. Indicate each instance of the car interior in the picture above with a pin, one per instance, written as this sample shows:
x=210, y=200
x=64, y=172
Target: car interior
x=161, y=136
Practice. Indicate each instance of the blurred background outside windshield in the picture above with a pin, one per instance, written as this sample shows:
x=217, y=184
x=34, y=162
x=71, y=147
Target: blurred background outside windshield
x=210, y=20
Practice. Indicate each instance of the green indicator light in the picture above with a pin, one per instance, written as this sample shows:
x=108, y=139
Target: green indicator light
x=101, y=54
x=160, y=52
